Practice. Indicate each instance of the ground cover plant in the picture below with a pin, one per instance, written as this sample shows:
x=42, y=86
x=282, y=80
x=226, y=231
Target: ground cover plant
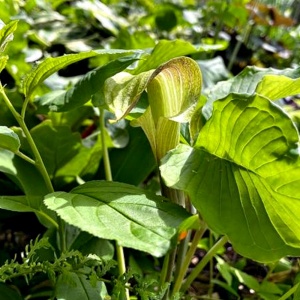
x=145, y=159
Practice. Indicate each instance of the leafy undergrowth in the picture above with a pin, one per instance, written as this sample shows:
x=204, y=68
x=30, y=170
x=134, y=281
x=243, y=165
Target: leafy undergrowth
x=149, y=150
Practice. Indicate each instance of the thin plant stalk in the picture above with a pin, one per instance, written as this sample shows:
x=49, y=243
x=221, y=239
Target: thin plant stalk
x=189, y=255
x=198, y=269
x=290, y=292
x=38, y=161
x=108, y=176
x=211, y=267
x=178, y=197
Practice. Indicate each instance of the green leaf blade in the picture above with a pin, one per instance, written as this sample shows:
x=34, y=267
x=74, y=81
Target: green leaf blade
x=242, y=176
x=140, y=220
x=52, y=64
x=6, y=34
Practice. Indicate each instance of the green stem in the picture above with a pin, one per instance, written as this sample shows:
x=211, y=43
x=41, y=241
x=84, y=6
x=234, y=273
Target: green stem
x=209, y=255
x=189, y=255
x=211, y=267
x=25, y=157
x=290, y=292
x=38, y=160
x=108, y=176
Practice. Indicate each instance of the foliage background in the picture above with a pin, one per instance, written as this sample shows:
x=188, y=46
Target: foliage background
x=232, y=35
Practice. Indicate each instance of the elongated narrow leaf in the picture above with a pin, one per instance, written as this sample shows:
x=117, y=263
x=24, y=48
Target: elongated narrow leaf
x=83, y=90
x=51, y=65
x=166, y=50
x=243, y=176
x=9, y=140
x=6, y=34
x=17, y=203
x=117, y=211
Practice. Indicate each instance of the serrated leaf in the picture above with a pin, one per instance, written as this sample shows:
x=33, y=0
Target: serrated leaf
x=84, y=89
x=243, y=176
x=9, y=140
x=6, y=34
x=117, y=211
x=51, y=65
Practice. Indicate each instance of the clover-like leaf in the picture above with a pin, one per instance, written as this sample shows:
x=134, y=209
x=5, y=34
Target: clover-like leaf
x=243, y=176
x=117, y=211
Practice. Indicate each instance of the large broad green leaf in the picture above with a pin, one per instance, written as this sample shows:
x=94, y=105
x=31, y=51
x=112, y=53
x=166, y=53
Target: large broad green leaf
x=117, y=211
x=83, y=90
x=9, y=140
x=53, y=64
x=244, y=175
x=271, y=83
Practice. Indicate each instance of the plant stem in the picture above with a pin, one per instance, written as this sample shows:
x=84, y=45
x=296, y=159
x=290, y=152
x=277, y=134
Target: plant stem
x=178, y=197
x=108, y=176
x=209, y=255
x=38, y=162
x=290, y=292
x=189, y=255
